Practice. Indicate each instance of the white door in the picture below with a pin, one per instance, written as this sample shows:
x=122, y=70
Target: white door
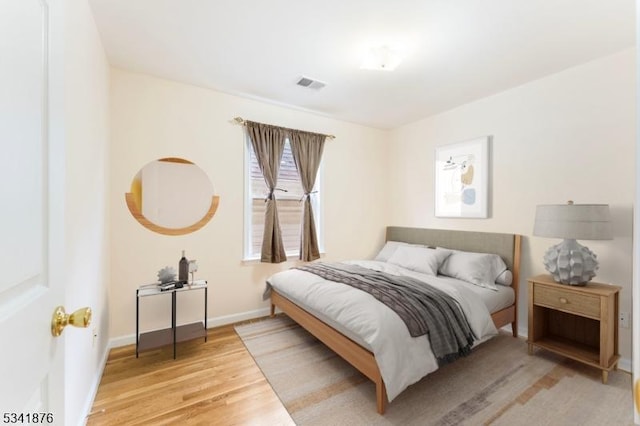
x=31, y=200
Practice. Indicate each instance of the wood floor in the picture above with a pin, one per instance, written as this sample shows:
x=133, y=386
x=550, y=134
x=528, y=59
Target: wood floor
x=212, y=383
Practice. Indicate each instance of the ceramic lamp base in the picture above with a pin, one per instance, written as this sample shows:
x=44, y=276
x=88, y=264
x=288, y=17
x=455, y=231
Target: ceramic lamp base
x=571, y=263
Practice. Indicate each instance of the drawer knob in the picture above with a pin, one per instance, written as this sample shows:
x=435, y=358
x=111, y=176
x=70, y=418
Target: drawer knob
x=563, y=300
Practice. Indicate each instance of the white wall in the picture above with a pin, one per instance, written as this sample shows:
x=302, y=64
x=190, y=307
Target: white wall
x=569, y=136
x=86, y=94
x=153, y=118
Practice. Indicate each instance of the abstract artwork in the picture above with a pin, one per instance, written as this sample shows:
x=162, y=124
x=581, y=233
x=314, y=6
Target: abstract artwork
x=462, y=179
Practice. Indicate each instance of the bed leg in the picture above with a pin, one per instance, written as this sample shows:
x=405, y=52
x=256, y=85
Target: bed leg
x=514, y=328
x=381, y=396
x=273, y=311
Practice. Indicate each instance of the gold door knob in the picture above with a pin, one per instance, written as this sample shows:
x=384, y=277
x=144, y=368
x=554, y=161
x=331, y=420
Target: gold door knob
x=60, y=319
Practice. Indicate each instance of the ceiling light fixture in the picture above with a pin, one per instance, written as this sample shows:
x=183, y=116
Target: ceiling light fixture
x=382, y=58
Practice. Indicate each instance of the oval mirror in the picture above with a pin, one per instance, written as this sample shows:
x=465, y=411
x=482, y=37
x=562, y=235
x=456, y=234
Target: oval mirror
x=172, y=196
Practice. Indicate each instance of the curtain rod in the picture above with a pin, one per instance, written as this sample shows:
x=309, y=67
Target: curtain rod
x=241, y=121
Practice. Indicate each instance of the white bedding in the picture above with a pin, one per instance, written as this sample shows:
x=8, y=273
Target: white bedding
x=494, y=300
x=402, y=359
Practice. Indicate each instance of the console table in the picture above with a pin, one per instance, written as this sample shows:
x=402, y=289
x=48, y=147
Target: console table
x=176, y=333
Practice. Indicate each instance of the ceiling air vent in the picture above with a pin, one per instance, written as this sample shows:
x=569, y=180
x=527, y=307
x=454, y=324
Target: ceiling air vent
x=310, y=83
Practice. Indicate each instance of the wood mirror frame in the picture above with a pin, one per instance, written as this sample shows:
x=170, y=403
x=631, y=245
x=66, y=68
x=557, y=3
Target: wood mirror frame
x=139, y=216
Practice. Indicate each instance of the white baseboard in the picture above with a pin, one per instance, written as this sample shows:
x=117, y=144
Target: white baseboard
x=116, y=342
x=243, y=316
x=91, y=395
x=624, y=363
x=130, y=339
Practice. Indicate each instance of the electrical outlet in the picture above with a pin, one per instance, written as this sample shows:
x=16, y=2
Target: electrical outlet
x=625, y=319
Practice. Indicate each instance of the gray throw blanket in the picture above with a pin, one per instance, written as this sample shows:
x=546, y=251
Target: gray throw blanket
x=423, y=308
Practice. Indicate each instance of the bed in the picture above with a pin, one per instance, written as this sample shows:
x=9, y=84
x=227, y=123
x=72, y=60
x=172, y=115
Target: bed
x=371, y=355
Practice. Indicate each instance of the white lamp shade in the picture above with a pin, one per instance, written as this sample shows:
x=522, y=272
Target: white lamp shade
x=573, y=221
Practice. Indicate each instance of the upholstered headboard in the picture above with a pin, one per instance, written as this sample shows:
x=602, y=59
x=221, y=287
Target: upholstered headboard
x=505, y=245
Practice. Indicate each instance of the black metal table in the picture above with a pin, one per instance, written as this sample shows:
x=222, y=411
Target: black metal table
x=176, y=333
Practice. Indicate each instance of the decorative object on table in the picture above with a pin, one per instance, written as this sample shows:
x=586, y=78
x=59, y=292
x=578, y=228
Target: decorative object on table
x=171, y=285
x=570, y=262
x=183, y=269
x=167, y=274
x=462, y=179
x=193, y=268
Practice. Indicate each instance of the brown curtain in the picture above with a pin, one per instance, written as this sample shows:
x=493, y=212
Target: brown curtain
x=268, y=146
x=307, y=153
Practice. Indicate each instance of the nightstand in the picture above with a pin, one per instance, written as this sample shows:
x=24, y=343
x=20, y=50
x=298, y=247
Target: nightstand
x=579, y=322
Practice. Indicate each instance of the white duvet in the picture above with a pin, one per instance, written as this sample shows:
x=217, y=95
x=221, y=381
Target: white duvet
x=402, y=359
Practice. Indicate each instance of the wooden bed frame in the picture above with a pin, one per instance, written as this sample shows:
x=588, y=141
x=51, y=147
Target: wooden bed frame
x=506, y=245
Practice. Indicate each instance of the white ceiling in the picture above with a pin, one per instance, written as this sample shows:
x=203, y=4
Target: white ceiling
x=457, y=50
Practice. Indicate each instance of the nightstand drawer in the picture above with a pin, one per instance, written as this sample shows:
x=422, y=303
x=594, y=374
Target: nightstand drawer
x=569, y=301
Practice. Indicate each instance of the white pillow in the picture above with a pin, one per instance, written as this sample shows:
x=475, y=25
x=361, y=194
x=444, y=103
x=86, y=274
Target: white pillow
x=420, y=259
x=505, y=278
x=480, y=269
x=387, y=251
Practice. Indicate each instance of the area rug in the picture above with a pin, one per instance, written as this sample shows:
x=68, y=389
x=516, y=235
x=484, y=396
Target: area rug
x=499, y=384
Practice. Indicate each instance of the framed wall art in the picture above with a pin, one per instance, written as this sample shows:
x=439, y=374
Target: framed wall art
x=462, y=179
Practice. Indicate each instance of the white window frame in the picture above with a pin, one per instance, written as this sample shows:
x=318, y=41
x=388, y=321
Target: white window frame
x=316, y=203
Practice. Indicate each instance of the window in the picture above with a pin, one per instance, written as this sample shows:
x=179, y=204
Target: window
x=289, y=204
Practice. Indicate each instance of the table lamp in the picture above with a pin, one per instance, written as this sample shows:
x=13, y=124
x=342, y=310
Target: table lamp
x=570, y=262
